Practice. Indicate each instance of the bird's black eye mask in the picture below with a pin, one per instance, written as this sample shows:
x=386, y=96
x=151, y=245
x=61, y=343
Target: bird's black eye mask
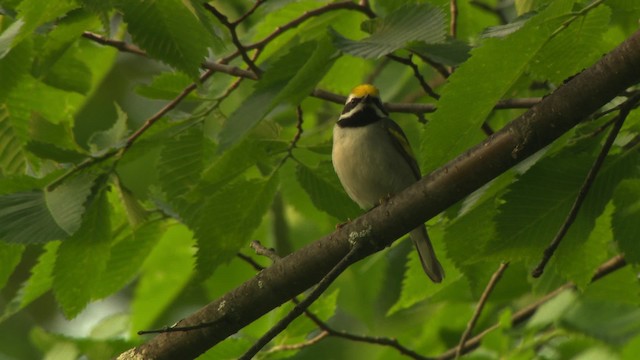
x=351, y=104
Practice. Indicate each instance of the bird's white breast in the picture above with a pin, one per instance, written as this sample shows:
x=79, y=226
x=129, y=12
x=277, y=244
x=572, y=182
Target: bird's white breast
x=368, y=165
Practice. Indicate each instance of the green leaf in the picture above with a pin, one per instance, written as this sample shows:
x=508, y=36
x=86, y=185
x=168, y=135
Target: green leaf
x=25, y=219
x=416, y=286
x=127, y=256
x=136, y=213
x=53, y=141
x=453, y=52
x=227, y=219
x=626, y=226
x=239, y=158
x=66, y=202
x=289, y=79
x=69, y=74
x=538, y=203
x=38, y=284
x=59, y=40
x=609, y=321
x=12, y=157
x=169, y=31
x=10, y=255
x=83, y=258
x=112, y=137
x=491, y=71
x=50, y=151
x=159, y=284
x=573, y=49
x=14, y=66
x=181, y=162
x=34, y=13
x=326, y=193
x=415, y=22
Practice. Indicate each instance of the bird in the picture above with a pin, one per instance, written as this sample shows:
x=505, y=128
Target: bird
x=374, y=160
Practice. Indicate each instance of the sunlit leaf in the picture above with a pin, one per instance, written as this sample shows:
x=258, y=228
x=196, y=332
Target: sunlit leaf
x=424, y=23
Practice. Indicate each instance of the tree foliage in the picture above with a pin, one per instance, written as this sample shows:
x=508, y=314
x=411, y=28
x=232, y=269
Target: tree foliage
x=145, y=144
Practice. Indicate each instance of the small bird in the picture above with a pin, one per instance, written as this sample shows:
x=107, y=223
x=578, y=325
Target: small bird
x=373, y=160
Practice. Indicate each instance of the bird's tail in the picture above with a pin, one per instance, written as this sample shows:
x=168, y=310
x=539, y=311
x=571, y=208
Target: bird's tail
x=427, y=255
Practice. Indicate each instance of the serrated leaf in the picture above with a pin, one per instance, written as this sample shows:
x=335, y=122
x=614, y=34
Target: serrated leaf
x=58, y=41
x=83, y=258
x=227, y=219
x=66, y=202
x=13, y=66
x=573, y=49
x=492, y=69
x=25, y=219
x=69, y=74
x=539, y=202
x=38, y=284
x=159, y=284
x=181, y=162
x=289, y=79
x=32, y=14
x=10, y=255
x=168, y=31
x=112, y=137
x=453, y=52
x=415, y=22
x=326, y=193
x=12, y=156
x=626, y=226
x=136, y=213
x=50, y=151
x=127, y=256
x=416, y=286
x=239, y=158
x=609, y=321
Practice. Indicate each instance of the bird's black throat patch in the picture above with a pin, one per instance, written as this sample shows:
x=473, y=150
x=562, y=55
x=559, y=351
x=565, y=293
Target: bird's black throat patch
x=362, y=118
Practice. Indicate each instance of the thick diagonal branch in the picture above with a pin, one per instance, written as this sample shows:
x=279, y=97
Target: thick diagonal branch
x=538, y=127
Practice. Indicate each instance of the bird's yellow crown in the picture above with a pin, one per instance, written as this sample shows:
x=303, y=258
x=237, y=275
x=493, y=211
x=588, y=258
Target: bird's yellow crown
x=364, y=90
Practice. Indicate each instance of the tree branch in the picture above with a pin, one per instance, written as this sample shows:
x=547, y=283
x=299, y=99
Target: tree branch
x=483, y=300
x=538, y=127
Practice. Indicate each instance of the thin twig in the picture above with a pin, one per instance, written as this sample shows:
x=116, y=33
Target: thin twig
x=610, y=266
x=222, y=67
x=261, y=250
x=249, y=260
x=304, y=304
x=481, y=303
x=314, y=340
x=574, y=17
x=344, y=5
x=249, y=12
x=453, y=24
x=118, y=44
x=241, y=49
x=586, y=186
x=416, y=73
x=264, y=251
x=165, y=109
